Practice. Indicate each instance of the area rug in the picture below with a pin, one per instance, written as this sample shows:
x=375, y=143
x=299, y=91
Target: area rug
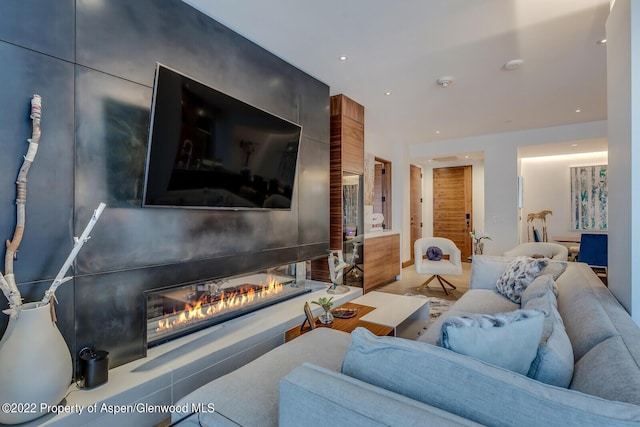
x=437, y=306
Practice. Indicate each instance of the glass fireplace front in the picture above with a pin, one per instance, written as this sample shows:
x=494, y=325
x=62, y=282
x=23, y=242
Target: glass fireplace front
x=179, y=310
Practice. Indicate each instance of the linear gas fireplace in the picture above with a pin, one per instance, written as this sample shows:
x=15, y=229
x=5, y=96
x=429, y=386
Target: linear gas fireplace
x=179, y=310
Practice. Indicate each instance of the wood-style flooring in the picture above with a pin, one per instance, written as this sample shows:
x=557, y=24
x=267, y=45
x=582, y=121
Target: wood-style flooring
x=412, y=280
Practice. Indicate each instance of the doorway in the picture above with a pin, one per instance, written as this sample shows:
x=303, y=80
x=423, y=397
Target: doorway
x=452, y=206
x=382, y=190
x=415, y=209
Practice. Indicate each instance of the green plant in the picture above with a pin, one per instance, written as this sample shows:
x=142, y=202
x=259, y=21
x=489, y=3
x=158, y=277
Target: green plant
x=324, y=302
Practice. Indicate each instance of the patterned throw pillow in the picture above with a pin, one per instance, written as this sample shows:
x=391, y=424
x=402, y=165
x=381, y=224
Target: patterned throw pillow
x=434, y=253
x=518, y=275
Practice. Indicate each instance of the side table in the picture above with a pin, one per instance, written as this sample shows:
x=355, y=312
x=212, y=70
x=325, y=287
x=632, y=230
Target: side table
x=345, y=325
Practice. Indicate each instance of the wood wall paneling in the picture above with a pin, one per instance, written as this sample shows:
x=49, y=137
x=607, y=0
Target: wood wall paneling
x=381, y=261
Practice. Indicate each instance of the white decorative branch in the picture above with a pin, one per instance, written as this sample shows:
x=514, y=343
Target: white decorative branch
x=8, y=282
x=60, y=279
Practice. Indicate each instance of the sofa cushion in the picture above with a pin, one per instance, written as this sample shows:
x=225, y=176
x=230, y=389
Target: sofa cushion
x=472, y=302
x=313, y=396
x=581, y=304
x=486, y=270
x=509, y=340
x=470, y=388
x=518, y=275
x=553, y=363
x=249, y=395
x=609, y=371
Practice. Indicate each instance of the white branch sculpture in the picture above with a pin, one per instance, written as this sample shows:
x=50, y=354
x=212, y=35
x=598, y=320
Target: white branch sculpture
x=60, y=279
x=8, y=281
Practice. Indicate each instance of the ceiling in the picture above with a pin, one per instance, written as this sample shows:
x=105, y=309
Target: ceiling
x=404, y=47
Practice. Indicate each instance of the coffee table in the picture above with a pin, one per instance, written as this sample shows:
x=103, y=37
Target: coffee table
x=381, y=313
x=407, y=315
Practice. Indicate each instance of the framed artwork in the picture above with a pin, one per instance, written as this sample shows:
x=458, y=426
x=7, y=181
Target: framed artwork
x=309, y=317
x=589, y=197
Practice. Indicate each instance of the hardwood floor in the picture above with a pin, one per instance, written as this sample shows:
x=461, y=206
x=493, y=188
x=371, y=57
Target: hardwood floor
x=411, y=280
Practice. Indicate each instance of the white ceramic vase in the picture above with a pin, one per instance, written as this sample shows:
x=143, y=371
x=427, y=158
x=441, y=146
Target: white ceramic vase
x=35, y=365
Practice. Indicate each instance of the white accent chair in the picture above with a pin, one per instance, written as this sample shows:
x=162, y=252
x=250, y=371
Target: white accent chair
x=549, y=250
x=451, y=266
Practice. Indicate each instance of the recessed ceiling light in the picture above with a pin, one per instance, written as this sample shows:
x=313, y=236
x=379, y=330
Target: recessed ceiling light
x=578, y=110
x=437, y=132
x=445, y=81
x=387, y=93
x=466, y=157
x=513, y=64
x=343, y=58
x=602, y=41
x=574, y=145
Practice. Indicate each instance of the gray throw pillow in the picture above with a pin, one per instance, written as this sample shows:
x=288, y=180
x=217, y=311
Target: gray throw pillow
x=540, y=286
x=554, y=362
x=555, y=268
x=509, y=340
x=518, y=275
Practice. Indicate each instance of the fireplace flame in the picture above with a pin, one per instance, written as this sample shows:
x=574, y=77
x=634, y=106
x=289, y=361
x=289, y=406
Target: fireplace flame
x=207, y=307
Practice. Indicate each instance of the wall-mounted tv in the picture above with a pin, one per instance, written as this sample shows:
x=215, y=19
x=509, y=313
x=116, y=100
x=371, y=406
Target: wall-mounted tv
x=209, y=150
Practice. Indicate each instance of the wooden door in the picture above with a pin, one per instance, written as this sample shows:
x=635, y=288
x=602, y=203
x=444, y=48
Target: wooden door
x=415, y=183
x=452, y=213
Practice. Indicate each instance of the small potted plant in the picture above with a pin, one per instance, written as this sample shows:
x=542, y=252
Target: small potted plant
x=326, y=318
x=478, y=244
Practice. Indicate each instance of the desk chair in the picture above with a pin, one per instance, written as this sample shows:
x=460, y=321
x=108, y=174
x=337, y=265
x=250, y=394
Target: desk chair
x=451, y=266
x=594, y=251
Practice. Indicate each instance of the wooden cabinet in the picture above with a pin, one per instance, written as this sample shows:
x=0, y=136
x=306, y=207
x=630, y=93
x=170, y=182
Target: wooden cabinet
x=347, y=135
x=381, y=260
x=346, y=155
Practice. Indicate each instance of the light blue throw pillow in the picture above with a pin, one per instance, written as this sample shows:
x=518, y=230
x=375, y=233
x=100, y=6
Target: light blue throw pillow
x=509, y=340
x=554, y=362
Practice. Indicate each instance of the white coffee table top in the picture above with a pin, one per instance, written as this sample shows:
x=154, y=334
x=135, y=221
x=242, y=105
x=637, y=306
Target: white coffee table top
x=392, y=310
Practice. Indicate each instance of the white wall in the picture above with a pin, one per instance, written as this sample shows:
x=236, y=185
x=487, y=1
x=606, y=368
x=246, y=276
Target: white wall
x=546, y=186
x=623, y=99
x=501, y=171
x=477, y=196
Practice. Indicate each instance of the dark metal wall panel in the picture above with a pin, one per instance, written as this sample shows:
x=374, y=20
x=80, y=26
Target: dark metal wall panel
x=47, y=240
x=314, y=192
x=314, y=107
x=127, y=38
x=95, y=148
x=110, y=307
x=111, y=131
x=44, y=26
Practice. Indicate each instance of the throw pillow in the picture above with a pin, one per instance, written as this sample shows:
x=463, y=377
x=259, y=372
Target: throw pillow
x=434, y=253
x=555, y=268
x=518, y=275
x=486, y=270
x=509, y=340
x=540, y=286
x=554, y=362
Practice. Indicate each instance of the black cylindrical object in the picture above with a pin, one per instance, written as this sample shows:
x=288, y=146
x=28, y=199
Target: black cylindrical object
x=95, y=367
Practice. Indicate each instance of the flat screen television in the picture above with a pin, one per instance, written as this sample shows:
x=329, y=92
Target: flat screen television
x=208, y=150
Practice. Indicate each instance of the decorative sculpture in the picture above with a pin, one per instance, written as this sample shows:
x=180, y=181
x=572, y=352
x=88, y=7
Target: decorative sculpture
x=336, y=273
x=7, y=281
x=542, y=216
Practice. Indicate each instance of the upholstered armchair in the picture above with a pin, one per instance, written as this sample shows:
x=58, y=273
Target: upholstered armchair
x=549, y=250
x=437, y=267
